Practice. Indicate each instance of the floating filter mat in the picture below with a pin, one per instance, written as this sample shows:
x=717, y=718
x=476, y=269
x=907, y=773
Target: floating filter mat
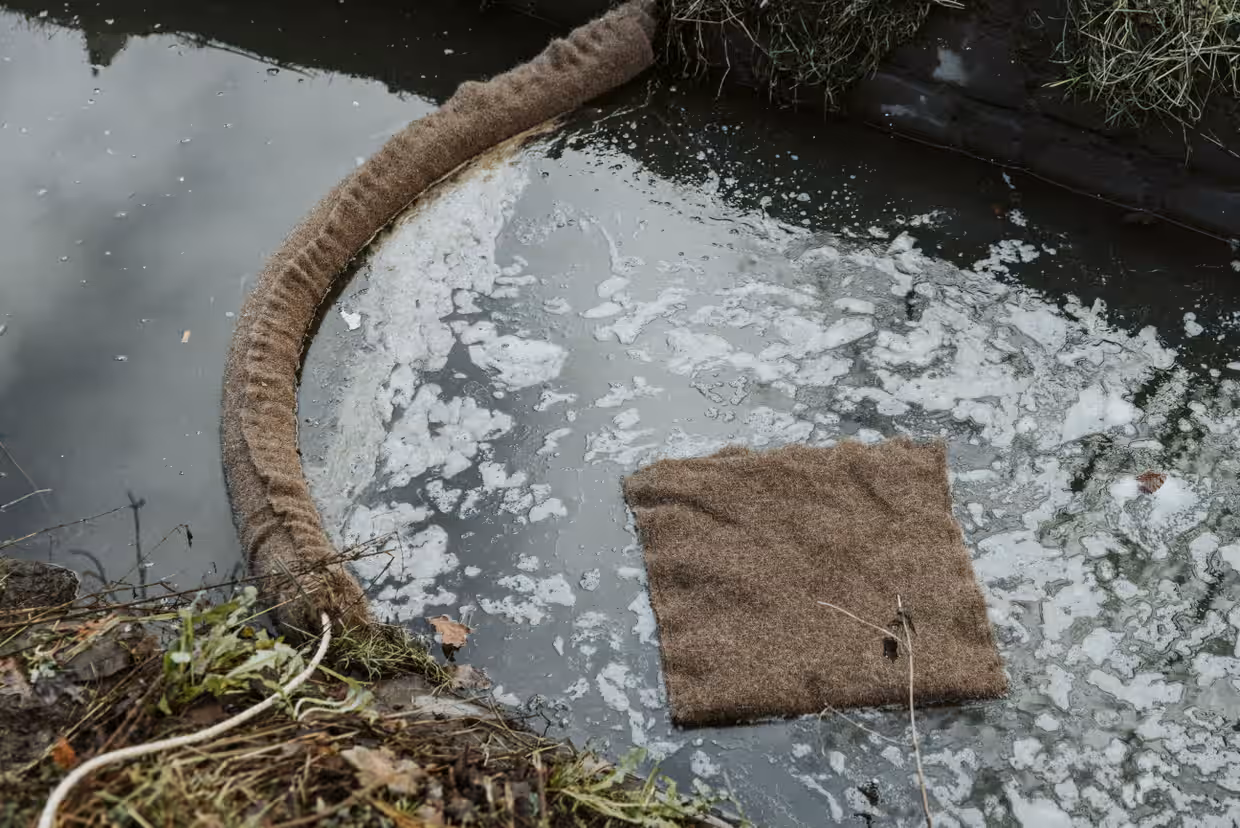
x=742, y=546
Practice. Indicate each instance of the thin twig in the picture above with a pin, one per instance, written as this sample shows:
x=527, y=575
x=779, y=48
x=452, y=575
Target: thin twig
x=875, y=627
x=58, y=612
x=912, y=719
x=17, y=465
x=23, y=497
x=136, y=504
x=856, y=724
x=16, y=541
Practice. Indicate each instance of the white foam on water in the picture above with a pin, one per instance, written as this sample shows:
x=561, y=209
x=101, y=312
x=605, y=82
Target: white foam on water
x=418, y=558
x=1042, y=400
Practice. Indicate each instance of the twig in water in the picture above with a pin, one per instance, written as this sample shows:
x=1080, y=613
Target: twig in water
x=23, y=497
x=136, y=504
x=903, y=615
x=15, y=541
x=856, y=724
x=912, y=720
x=48, y=817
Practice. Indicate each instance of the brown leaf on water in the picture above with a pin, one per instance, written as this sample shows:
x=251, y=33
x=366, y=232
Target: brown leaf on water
x=381, y=767
x=465, y=677
x=1150, y=481
x=63, y=754
x=453, y=634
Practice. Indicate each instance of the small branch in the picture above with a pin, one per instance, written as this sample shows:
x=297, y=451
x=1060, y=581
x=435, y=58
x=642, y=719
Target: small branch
x=14, y=541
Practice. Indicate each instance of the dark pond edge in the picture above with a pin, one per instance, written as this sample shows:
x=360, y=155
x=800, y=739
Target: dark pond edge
x=997, y=108
x=977, y=82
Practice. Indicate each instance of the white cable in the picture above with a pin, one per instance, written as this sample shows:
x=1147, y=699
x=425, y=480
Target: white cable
x=48, y=818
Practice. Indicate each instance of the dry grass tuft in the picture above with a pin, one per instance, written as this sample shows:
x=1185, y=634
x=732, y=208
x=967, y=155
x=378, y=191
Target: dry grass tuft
x=822, y=45
x=1143, y=58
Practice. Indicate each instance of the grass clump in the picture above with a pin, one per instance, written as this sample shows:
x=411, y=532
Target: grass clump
x=383, y=651
x=824, y=45
x=1143, y=58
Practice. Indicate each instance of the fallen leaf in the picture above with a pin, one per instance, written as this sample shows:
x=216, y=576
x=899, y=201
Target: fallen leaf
x=381, y=767
x=1150, y=481
x=452, y=634
x=466, y=677
x=430, y=815
x=185, y=337
x=12, y=680
x=63, y=754
x=96, y=627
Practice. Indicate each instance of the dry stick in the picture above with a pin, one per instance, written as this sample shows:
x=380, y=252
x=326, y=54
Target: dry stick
x=88, y=611
x=912, y=721
x=908, y=643
x=25, y=497
x=48, y=818
x=15, y=541
x=856, y=724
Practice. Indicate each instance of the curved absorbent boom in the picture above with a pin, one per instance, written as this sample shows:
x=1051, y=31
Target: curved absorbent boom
x=278, y=522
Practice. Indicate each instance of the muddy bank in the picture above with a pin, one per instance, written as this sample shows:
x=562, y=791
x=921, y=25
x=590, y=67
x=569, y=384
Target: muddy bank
x=382, y=735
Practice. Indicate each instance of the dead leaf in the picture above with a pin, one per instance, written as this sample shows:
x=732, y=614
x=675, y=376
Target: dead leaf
x=1150, y=481
x=96, y=627
x=430, y=815
x=465, y=677
x=452, y=634
x=205, y=714
x=12, y=681
x=63, y=754
x=381, y=767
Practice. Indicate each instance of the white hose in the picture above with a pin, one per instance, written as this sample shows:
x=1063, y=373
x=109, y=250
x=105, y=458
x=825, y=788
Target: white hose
x=48, y=818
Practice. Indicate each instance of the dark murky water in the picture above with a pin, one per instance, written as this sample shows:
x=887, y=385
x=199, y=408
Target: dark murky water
x=148, y=174
x=141, y=196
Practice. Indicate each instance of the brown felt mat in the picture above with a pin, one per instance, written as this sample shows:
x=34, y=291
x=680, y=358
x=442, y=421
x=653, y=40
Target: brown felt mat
x=277, y=519
x=740, y=546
